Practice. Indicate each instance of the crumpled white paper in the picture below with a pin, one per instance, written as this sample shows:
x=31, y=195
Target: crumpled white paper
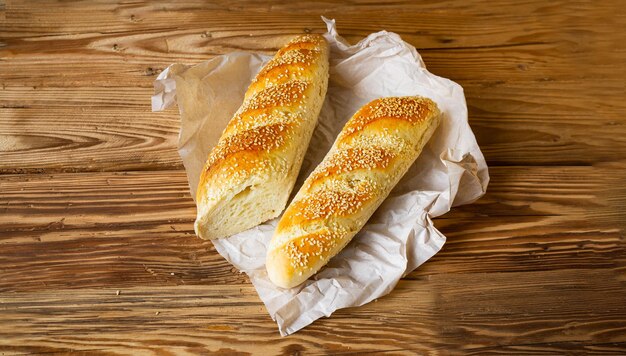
x=400, y=236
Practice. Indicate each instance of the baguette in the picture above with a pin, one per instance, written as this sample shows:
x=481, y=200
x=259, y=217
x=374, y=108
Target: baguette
x=250, y=173
x=373, y=151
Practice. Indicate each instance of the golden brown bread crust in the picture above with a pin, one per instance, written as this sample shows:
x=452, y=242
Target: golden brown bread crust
x=262, y=147
x=372, y=152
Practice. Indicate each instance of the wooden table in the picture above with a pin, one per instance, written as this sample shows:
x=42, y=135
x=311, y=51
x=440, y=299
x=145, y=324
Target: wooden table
x=97, y=249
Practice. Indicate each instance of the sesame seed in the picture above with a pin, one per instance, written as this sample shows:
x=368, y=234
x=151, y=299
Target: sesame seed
x=308, y=38
x=297, y=57
x=338, y=199
x=351, y=159
x=278, y=95
x=411, y=109
x=300, y=253
x=258, y=139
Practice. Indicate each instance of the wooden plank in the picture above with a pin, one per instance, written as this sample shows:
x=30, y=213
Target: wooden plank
x=81, y=137
x=516, y=123
x=552, y=123
x=112, y=129
x=115, y=43
x=118, y=60
x=441, y=17
x=541, y=311
x=135, y=229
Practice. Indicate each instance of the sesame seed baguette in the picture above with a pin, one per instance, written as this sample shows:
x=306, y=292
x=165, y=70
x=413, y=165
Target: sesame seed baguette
x=250, y=173
x=373, y=151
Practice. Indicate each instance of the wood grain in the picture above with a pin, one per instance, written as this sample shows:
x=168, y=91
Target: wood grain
x=105, y=129
x=39, y=73
x=94, y=199
x=136, y=228
x=88, y=137
x=469, y=312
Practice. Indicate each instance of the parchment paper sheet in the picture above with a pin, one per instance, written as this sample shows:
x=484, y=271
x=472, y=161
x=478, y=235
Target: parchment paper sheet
x=400, y=236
